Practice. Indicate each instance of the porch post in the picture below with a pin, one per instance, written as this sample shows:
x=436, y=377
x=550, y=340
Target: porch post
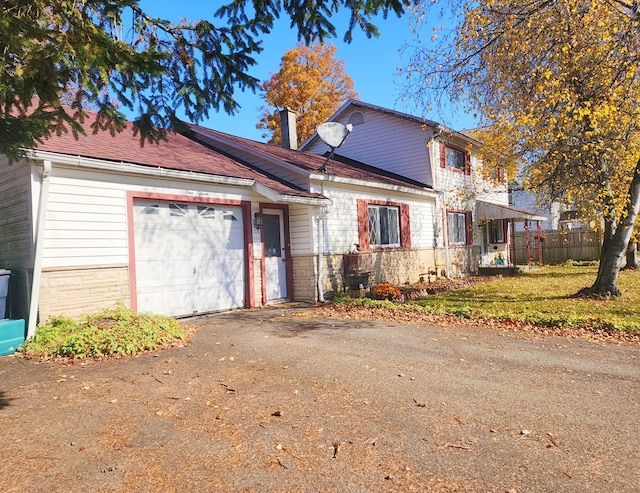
x=526, y=240
x=539, y=230
x=512, y=244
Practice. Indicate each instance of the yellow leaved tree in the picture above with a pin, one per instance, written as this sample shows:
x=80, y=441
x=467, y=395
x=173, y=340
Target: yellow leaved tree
x=559, y=83
x=312, y=83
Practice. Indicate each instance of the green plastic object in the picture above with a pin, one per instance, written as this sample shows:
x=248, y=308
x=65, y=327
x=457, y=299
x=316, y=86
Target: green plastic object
x=11, y=336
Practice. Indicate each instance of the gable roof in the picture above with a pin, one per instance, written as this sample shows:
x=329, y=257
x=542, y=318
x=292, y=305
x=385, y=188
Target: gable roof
x=308, y=162
x=178, y=152
x=354, y=103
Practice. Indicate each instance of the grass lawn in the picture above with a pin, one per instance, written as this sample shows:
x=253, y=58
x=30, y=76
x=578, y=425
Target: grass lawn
x=541, y=297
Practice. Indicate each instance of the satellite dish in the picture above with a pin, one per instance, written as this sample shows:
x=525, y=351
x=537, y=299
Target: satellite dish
x=333, y=134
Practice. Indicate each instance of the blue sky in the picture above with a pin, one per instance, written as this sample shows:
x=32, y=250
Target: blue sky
x=371, y=63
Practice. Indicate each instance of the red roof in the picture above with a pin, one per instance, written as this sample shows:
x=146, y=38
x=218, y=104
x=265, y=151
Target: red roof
x=177, y=153
x=311, y=162
x=180, y=152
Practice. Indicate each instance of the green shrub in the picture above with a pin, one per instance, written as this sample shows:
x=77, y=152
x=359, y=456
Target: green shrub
x=109, y=333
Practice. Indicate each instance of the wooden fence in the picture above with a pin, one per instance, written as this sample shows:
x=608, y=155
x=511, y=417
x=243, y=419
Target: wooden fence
x=558, y=246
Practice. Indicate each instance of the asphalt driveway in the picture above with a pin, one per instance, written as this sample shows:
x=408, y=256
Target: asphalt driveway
x=280, y=400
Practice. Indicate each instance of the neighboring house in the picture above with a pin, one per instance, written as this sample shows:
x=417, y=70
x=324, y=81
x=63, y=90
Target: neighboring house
x=518, y=197
x=559, y=217
x=472, y=219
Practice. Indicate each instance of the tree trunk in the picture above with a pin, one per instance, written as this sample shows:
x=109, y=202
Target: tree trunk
x=632, y=256
x=613, y=251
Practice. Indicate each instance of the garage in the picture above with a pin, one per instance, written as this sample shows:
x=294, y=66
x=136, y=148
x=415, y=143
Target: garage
x=189, y=257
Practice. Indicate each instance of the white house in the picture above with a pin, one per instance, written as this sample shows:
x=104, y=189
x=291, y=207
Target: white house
x=472, y=217
x=208, y=221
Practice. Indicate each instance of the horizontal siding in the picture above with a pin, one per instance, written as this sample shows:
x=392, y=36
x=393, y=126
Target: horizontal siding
x=388, y=143
x=341, y=225
x=16, y=226
x=87, y=215
x=300, y=227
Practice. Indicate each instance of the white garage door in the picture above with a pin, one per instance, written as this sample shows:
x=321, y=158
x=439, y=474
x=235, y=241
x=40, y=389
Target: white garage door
x=189, y=258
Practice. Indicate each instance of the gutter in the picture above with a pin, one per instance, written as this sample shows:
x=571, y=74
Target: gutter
x=41, y=221
x=137, y=169
x=372, y=184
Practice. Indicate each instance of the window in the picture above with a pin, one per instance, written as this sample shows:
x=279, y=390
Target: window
x=459, y=226
x=206, y=212
x=384, y=226
x=496, y=231
x=179, y=210
x=151, y=209
x=455, y=159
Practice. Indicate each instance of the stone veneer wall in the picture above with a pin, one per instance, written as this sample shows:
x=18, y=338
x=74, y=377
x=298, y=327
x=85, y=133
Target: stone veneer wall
x=77, y=291
x=396, y=266
x=257, y=281
x=304, y=278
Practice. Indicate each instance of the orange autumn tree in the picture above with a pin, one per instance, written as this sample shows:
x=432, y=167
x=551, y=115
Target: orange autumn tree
x=312, y=82
x=559, y=83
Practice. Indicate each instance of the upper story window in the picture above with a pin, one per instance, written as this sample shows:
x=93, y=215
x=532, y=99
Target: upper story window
x=455, y=158
x=384, y=226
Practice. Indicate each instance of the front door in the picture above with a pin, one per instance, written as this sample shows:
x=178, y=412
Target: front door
x=485, y=259
x=275, y=261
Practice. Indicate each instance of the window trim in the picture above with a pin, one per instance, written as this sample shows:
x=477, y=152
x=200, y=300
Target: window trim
x=363, y=224
x=379, y=208
x=468, y=225
x=466, y=169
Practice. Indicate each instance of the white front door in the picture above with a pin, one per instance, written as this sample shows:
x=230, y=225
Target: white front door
x=275, y=261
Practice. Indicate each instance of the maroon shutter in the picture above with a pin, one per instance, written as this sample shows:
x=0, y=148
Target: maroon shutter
x=405, y=227
x=469, y=227
x=363, y=224
x=467, y=163
x=443, y=155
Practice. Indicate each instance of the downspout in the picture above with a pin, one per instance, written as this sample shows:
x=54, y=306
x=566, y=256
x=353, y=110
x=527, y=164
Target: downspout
x=319, y=219
x=41, y=221
x=445, y=229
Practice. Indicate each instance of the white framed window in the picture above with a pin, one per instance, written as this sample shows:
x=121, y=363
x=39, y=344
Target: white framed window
x=459, y=226
x=455, y=159
x=384, y=226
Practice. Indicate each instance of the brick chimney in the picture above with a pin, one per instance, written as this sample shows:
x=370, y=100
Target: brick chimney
x=288, y=129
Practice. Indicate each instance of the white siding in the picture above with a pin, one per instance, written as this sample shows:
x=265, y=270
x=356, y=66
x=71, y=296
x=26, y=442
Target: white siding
x=387, y=142
x=341, y=225
x=87, y=215
x=16, y=227
x=301, y=226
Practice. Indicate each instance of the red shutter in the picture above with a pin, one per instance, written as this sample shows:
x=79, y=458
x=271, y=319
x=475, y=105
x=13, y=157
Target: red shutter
x=467, y=163
x=405, y=227
x=363, y=224
x=468, y=222
x=443, y=155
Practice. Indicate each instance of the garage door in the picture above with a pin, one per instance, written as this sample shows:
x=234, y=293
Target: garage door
x=189, y=258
